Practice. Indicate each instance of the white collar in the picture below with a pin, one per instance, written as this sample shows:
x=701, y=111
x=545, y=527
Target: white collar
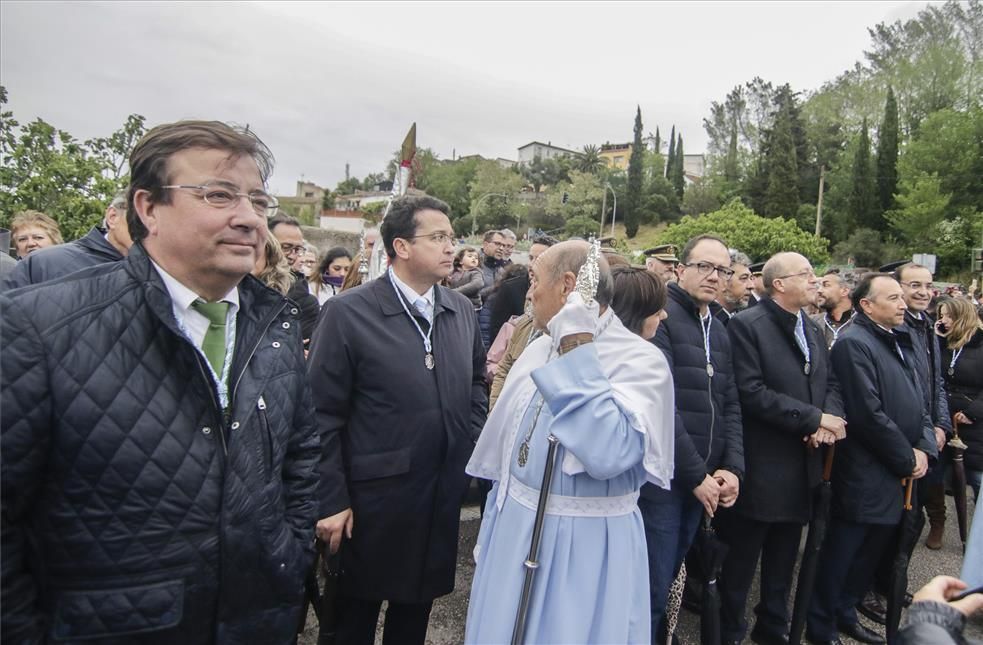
x=409, y=293
x=182, y=296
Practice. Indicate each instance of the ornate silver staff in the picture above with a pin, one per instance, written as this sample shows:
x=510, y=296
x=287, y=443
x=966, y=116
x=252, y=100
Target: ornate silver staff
x=587, y=279
x=363, y=258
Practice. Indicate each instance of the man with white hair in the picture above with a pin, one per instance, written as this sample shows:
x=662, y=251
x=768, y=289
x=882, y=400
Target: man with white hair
x=100, y=245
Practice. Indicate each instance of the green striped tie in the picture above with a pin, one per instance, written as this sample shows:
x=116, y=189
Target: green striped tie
x=214, y=343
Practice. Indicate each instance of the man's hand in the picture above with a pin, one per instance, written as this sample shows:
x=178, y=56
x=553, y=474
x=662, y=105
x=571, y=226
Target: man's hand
x=941, y=588
x=961, y=418
x=730, y=486
x=708, y=492
x=833, y=424
x=939, y=438
x=921, y=464
x=330, y=529
x=819, y=437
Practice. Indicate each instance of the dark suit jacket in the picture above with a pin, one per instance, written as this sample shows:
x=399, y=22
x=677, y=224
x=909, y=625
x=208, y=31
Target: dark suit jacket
x=780, y=404
x=397, y=436
x=886, y=418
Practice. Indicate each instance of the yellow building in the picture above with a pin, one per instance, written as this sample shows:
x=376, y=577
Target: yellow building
x=616, y=155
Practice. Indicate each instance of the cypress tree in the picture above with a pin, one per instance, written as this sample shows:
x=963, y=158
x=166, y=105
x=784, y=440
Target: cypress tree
x=782, y=194
x=671, y=158
x=658, y=141
x=887, y=153
x=678, y=182
x=636, y=169
x=863, y=198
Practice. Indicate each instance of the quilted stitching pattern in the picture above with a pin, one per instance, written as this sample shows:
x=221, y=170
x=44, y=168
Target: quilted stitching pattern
x=109, y=474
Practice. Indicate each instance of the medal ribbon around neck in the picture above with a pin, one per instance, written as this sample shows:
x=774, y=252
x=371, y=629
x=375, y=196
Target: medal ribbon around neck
x=427, y=347
x=955, y=357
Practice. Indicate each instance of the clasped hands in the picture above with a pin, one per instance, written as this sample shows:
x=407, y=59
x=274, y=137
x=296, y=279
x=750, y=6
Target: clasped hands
x=831, y=429
x=719, y=489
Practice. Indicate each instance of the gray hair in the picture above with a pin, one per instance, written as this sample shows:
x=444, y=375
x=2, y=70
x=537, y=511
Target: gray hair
x=736, y=257
x=507, y=233
x=119, y=200
x=569, y=256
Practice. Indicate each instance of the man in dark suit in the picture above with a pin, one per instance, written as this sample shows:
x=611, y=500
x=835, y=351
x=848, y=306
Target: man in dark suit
x=891, y=438
x=790, y=405
x=396, y=367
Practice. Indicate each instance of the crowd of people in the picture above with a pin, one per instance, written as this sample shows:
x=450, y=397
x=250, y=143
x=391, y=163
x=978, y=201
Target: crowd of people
x=192, y=395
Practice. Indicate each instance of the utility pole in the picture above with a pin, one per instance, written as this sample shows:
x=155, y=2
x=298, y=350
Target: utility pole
x=819, y=202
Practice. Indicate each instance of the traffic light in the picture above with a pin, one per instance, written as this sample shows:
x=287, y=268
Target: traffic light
x=565, y=198
x=977, y=260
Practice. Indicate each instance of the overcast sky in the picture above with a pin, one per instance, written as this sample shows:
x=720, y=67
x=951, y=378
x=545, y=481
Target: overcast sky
x=325, y=84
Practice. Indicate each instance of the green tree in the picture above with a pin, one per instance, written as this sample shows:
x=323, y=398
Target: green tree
x=863, y=199
x=450, y=182
x=782, y=193
x=541, y=172
x=921, y=208
x=494, y=212
x=700, y=198
x=636, y=163
x=740, y=227
x=678, y=178
x=46, y=169
x=584, y=192
x=590, y=161
x=887, y=153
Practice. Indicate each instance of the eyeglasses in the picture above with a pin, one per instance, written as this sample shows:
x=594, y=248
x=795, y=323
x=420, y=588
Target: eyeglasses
x=291, y=249
x=705, y=268
x=438, y=237
x=801, y=274
x=918, y=286
x=222, y=195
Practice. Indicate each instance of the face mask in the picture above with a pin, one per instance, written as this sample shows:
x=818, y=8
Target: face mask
x=333, y=280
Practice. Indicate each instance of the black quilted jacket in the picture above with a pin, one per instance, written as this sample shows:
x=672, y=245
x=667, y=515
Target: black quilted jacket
x=708, y=411
x=133, y=509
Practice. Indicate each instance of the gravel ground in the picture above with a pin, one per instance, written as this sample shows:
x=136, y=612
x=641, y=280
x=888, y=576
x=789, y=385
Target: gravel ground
x=450, y=612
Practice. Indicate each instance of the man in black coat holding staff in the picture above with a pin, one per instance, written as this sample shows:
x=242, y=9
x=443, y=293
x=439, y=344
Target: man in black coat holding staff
x=891, y=437
x=790, y=404
x=396, y=368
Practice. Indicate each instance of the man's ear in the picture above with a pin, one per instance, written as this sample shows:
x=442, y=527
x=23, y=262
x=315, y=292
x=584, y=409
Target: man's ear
x=402, y=248
x=569, y=283
x=146, y=210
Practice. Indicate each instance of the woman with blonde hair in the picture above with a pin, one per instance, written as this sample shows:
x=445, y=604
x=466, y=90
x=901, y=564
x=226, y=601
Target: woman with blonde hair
x=33, y=230
x=962, y=366
x=272, y=268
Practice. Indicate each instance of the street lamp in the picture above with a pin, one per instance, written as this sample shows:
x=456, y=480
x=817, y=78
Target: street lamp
x=474, y=208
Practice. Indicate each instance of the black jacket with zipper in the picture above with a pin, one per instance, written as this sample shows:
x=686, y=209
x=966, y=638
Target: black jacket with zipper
x=708, y=412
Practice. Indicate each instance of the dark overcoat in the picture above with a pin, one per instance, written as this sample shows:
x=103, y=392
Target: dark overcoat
x=135, y=509
x=965, y=389
x=780, y=405
x=885, y=418
x=397, y=436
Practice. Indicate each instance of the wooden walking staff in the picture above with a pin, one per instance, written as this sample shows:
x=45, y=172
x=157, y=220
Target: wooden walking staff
x=587, y=279
x=958, y=447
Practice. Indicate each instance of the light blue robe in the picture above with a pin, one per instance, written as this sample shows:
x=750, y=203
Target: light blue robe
x=592, y=582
